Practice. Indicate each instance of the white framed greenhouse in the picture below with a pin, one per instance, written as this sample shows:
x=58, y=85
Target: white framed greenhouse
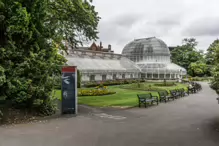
x=98, y=66
x=153, y=57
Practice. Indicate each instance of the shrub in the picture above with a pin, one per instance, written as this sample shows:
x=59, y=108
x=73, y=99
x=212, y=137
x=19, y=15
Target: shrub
x=165, y=84
x=57, y=82
x=109, y=83
x=46, y=108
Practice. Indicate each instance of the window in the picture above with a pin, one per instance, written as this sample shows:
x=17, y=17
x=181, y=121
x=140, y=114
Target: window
x=143, y=76
x=114, y=76
x=92, y=77
x=131, y=76
x=103, y=77
x=123, y=76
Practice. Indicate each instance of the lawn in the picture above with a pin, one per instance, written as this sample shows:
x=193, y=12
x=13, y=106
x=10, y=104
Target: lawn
x=123, y=97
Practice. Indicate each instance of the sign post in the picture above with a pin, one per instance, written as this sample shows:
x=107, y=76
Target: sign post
x=69, y=90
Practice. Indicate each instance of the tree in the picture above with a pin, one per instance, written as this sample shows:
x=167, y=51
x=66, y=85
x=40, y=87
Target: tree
x=210, y=56
x=215, y=66
x=211, y=52
x=31, y=34
x=197, y=68
x=186, y=54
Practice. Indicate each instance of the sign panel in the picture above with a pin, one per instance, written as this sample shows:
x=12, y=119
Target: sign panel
x=69, y=90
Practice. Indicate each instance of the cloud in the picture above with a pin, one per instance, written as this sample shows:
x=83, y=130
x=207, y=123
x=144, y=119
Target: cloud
x=171, y=20
x=127, y=19
x=168, y=21
x=203, y=27
x=119, y=27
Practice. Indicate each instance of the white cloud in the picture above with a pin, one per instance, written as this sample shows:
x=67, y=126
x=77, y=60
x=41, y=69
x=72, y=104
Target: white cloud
x=171, y=20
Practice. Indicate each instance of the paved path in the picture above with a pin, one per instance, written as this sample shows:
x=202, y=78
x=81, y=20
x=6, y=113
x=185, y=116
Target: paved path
x=189, y=121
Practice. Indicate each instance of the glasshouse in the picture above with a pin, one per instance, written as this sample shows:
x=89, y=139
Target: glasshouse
x=147, y=58
x=153, y=57
x=99, y=66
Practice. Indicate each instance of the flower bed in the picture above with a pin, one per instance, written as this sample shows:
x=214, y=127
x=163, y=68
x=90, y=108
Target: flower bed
x=98, y=91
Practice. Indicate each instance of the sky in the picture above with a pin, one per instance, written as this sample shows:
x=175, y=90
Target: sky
x=123, y=21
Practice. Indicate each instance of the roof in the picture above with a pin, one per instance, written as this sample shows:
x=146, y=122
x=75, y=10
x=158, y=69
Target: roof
x=146, y=47
x=88, y=63
x=161, y=67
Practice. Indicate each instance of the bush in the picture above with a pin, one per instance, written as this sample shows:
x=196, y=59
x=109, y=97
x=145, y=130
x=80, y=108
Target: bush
x=140, y=86
x=46, y=108
x=57, y=82
x=99, y=91
x=165, y=84
x=110, y=83
x=198, y=79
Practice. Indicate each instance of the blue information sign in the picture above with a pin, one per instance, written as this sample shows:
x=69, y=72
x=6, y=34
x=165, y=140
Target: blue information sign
x=69, y=90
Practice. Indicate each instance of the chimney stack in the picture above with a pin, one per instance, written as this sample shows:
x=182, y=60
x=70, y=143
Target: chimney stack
x=101, y=45
x=109, y=47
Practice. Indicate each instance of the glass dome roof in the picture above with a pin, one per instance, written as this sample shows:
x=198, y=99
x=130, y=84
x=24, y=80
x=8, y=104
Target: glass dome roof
x=152, y=55
x=147, y=49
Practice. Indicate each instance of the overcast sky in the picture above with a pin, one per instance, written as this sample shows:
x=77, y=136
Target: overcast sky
x=170, y=20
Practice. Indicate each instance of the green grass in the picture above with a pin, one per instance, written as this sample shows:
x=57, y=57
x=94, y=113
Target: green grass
x=123, y=97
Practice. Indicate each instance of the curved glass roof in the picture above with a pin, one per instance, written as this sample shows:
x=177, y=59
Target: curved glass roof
x=101, y=64
x=162, y=68
x=152, y=55
x=147, y=49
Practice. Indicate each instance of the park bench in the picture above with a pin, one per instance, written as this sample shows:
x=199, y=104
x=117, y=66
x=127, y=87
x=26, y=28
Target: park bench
x=174, y=93
x=183, y=92
x=147, y=98
x=197, y=87
x=178, y=92
x=164, y=96
x=191, y=90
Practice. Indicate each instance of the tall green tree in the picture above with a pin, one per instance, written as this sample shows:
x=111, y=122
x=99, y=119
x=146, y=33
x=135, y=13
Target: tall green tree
x=210, y=54
x=197, y=68
x=186, y=54
x=31, y=34
x=215, y=68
